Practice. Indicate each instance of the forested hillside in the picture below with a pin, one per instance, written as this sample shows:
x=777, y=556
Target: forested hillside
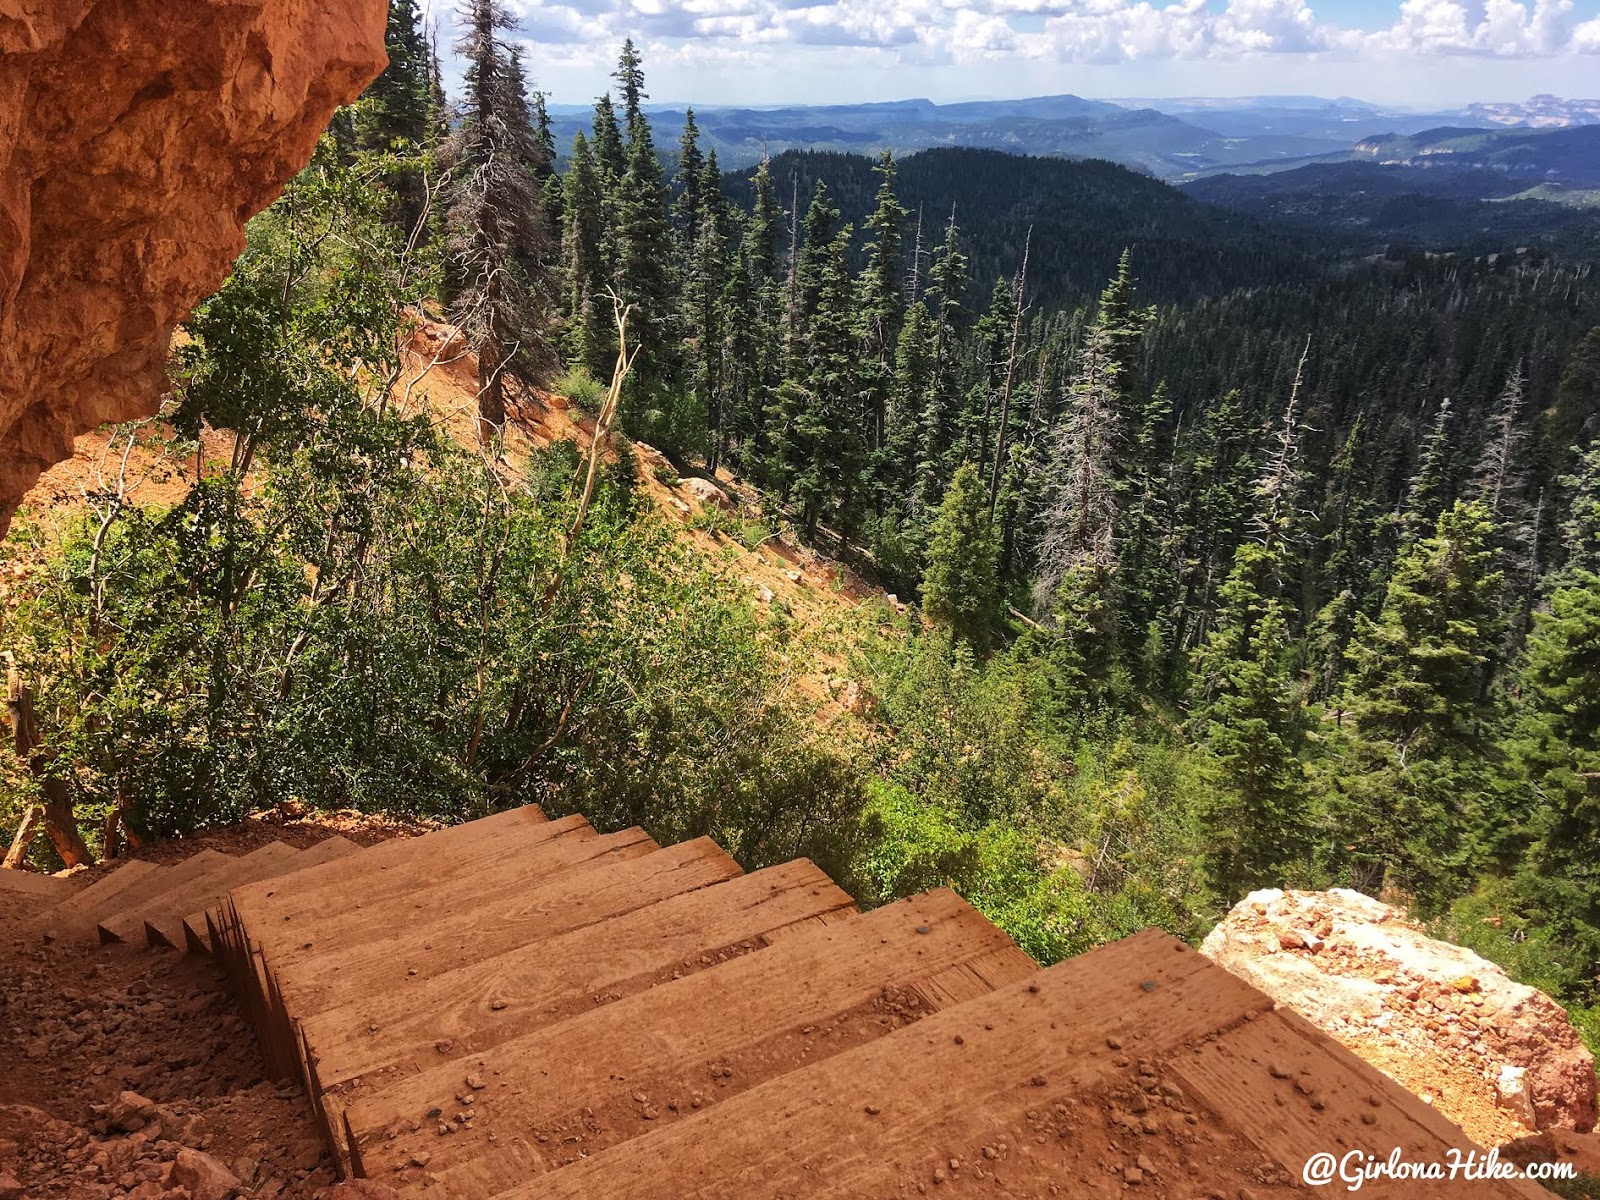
x=1081, y=215
x=1388, y=209
x=1231, y=558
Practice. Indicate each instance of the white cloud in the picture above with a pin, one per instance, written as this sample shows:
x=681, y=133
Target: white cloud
x=1503, y=28
x=885, y=34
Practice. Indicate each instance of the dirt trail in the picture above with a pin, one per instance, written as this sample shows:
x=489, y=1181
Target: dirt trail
x=80, y=1025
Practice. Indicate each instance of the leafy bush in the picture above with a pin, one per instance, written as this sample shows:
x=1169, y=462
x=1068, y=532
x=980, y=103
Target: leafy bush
x=582, y=390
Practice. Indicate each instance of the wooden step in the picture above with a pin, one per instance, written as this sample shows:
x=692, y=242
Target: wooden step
x=275, y=916
x=374, y=948
x=199, y=926
x=152, y=888
x=45, y=888
x=571, y=895
x=640, y=1062
x=433, y=898
x=474, y=1007
x=396, y=866
x=125, y=921
x=882, y=1118
x=988, y=1098
x=76, y=916
x=498, y=922
x=1236, y=1078
x=175, y=877
x=163, y=921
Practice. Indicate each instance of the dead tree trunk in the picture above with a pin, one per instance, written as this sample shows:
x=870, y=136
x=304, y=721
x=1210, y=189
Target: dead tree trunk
x=26, y=832
x=60, y=824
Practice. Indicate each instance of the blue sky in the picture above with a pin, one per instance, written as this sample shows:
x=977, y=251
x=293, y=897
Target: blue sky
x=1419, y=53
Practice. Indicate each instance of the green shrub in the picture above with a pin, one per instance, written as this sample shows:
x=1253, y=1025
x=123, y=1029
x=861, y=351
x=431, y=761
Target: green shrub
x=583, y=390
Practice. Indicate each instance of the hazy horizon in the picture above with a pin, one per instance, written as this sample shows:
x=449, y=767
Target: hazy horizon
x=1421, y=54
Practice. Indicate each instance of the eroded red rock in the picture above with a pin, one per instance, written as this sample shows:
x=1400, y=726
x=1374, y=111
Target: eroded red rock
x=1488, y=1052
x=136, y=138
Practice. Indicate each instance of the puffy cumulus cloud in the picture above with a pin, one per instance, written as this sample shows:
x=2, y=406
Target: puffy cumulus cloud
x=1090, y=31
x=1503, y=28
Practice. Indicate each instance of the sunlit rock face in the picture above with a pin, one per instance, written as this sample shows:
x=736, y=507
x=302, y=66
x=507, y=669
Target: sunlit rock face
x=136, y=139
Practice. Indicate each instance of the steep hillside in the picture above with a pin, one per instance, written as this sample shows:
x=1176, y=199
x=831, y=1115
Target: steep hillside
x=812, y=599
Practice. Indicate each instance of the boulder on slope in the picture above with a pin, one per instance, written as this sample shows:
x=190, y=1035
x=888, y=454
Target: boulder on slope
x=1486, y=1051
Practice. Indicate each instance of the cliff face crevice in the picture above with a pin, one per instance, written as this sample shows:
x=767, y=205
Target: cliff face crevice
x=136, y=139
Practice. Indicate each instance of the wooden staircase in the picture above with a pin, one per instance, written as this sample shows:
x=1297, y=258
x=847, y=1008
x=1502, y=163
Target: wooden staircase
x=519, y=1007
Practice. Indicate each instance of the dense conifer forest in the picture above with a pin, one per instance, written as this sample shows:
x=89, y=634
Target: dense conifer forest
x=1235, y=556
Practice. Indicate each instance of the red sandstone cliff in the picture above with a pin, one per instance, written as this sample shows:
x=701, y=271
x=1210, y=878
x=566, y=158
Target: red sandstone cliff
x=136, y=138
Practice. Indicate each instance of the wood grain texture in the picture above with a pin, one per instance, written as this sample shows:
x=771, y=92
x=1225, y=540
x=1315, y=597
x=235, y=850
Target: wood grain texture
x=548, y=978
x=710, y=1034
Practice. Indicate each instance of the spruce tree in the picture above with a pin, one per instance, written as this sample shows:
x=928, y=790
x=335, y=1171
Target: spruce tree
x=497, y=235
x=611, y=160
x=991, y=337
x=816, y=444
x=1080, y=524
x=589, y=339
x=946, y=303
x=878, y=301
x=1580, y=532
x=544, y=136
x=642, y=268
x=1216, y=506
x=1429, y=489
x=1148, y=552
x=1408, y=791
x=397, y=115
x=765, y=229
x=759, y=344
x=1248, y=709
x=397, y=107
x=691, y=177
x=961, y=587
x=704, y=285
x=1501, y=483
x=610, y=165
x=910, y=391
x=1555, y=748
x=1575, y=417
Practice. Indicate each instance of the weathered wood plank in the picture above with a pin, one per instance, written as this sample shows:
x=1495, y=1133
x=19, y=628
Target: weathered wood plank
x=399, y=864
x=882, y=1118
x=497, y=921
x=1292, y=1090
x=163, y=916
x=545, y=980
x=75, y=919
x=682, y=1045
x=198, y=926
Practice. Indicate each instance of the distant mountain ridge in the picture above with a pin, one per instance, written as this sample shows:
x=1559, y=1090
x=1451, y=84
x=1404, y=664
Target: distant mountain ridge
x=1568, y=155
x=1539, y=112
x=1175, y=139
